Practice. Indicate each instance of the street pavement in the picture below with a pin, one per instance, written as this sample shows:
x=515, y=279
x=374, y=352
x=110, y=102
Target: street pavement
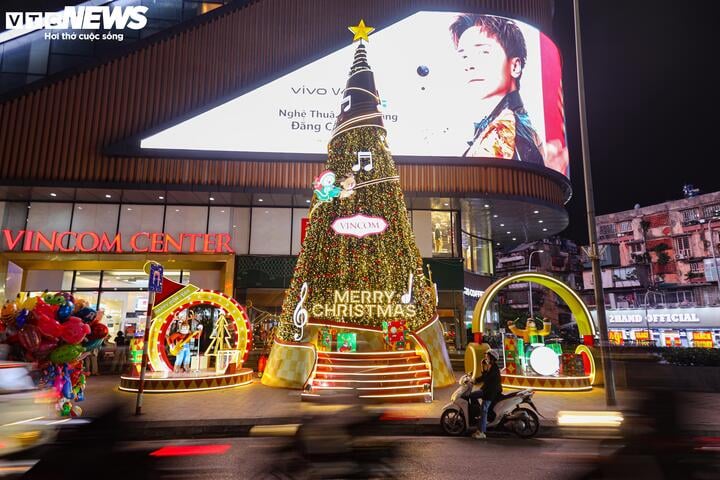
x=233, y=412
x=415, y=457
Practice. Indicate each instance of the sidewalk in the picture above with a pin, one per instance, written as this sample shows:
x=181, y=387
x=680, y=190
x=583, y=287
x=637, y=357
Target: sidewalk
x=233, y=412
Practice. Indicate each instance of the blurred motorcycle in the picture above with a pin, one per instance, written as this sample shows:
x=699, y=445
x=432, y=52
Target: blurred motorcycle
x=335, y=446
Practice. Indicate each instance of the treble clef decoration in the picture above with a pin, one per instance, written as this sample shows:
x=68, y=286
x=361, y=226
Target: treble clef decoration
x=300, y=315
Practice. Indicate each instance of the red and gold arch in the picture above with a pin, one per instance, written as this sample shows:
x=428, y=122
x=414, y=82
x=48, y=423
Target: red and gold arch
x=237, y=341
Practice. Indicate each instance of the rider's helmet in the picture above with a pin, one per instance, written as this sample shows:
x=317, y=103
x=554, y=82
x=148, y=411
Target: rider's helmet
x=494, y=354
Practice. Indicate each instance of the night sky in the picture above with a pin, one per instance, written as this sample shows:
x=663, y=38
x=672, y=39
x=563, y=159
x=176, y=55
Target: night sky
x=650, y=95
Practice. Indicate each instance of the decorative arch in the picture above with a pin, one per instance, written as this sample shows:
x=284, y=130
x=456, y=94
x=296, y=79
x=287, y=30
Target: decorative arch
x=567, y=294
x=165, y=314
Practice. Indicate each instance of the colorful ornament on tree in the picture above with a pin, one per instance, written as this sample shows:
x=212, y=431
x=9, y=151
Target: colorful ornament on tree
x=300, y=314
x=363, y=157
x=361, y=31
x=324, y=185
x=395, y=334
x=348, y=186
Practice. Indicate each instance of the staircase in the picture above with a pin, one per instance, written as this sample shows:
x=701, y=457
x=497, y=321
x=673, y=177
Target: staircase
x=373, y=377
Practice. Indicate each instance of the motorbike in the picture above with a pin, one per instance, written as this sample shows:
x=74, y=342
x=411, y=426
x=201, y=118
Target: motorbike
x=335, y=446
x=510, y=412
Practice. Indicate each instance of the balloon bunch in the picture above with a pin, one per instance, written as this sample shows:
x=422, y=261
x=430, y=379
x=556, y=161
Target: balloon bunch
x=57, y=333
x=69, y=385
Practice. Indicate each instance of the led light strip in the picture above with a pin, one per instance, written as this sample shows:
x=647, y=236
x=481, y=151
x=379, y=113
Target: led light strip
x=586, y=377
x=362, y=359
x=436, y=319
x=396, y=395
x=373, y=366
x=374, y=374
x=168, y=379
x=550, y=389
x=353, y=128
x=364, y=91
x=398, y=353
x=325, y=387
x=378, y=381
x=580, y=349
x=376, y=181
x=393, y=388
x=357, y=119
x=349, y=327
x=124, y=389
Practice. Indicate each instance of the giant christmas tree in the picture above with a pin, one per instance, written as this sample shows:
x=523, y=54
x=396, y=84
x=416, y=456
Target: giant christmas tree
x=359, y=264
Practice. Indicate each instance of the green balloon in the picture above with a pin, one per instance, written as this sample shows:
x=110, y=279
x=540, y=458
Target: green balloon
x=66, y=353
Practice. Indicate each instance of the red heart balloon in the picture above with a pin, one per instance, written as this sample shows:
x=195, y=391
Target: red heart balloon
x=43, y=308
x=74, y=330
x=98, y=330
x=48, y=326
x=29, y=337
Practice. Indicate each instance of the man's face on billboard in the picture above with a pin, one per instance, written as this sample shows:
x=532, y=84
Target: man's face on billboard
x=488, y=70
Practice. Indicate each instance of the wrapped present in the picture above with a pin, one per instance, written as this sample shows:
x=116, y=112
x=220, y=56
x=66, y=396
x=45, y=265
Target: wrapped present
x=572, y=365
x=324, y=343
x=514, y=349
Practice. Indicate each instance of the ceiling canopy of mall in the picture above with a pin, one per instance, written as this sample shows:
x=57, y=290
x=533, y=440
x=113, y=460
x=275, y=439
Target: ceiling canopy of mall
x=57, y=133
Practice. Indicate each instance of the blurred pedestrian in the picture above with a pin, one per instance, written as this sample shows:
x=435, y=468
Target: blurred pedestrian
x=121, y=347
x=91, y=362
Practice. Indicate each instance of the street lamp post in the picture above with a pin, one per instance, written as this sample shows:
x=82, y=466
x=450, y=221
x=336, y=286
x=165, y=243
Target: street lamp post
x=530, y=302
x=592, y=228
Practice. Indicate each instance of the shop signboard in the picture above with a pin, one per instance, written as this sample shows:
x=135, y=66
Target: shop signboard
x=359, y=226
x=702, y=339
x=102, y=242
x=676, y=318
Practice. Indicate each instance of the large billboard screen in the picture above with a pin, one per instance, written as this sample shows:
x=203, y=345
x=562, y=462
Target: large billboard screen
x=452, y=86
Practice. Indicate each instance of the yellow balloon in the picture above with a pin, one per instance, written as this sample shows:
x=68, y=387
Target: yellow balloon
x=30, y=303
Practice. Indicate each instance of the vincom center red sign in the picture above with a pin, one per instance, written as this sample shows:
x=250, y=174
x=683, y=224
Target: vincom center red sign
x=93, y=242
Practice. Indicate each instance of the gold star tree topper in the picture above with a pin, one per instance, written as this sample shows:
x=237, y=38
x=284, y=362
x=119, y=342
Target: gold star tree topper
x=361, y=31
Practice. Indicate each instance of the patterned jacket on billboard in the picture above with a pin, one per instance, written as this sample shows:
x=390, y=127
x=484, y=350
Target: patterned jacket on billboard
x=507, y=133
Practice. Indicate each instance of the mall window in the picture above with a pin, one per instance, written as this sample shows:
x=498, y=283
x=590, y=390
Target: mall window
x=477, y=254
x=697, y=267
x=607, y=229
x=635, y=247
x=625, y=227
x=682, y=247
x=690, y=215
x=680, y=298
x=710, y=211
x=86, y=280
x=443, y=235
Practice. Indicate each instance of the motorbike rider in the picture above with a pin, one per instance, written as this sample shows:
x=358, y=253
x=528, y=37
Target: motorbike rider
x=489, y=391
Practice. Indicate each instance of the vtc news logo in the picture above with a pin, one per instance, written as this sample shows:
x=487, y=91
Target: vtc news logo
x=80, y=18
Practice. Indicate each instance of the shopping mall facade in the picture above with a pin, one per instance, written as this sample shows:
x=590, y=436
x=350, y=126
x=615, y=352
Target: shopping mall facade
x=83, y=206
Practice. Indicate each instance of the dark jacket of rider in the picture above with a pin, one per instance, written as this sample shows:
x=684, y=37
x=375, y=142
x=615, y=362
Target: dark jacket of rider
x=491, y=383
